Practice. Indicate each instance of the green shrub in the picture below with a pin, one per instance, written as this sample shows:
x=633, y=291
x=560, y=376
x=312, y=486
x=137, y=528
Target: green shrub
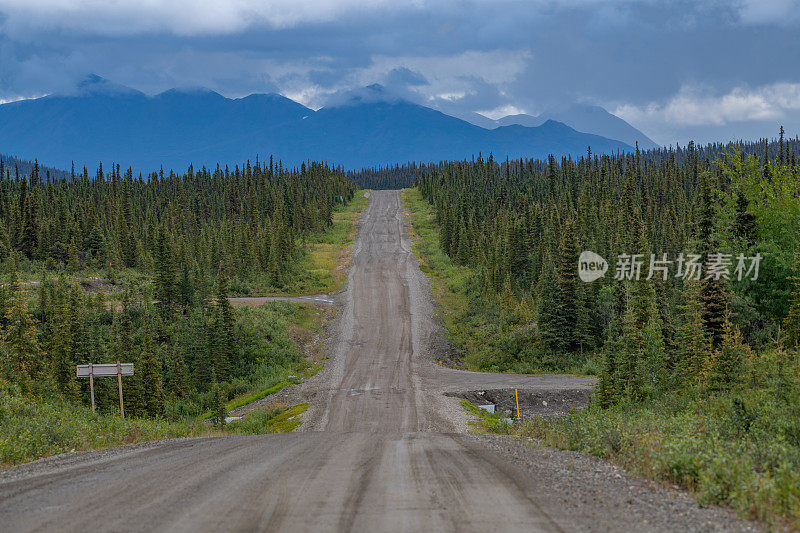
x=34, y=427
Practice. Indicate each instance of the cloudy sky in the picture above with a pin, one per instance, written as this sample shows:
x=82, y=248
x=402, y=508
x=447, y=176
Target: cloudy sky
x=678, y=70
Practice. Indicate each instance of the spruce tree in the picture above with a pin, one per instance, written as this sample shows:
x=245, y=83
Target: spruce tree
x=568, y=285
x=713, y=292
x=607, y=389
x=179, y=382
x=726, y=363
x=693, y=345
x=186, y=289
x=24, y=360
x=630, y=355
x=164, y=279
x=225, y=348
x=744, y=224
x=62, y=345
x=550, y=321
x=150, y=375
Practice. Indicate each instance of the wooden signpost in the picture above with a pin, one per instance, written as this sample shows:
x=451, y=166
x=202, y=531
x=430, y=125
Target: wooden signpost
x=110, y=369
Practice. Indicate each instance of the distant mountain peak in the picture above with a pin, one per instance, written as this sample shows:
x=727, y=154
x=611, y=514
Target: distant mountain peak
x=92, y=79
x=189, y=91
x=370, y=94
x=94, y=85
x=587, y=118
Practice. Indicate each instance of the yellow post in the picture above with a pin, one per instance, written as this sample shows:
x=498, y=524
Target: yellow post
x=516, y=395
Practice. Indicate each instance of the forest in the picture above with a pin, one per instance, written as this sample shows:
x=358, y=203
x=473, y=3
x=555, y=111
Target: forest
x=110, y=267
x=699, y=373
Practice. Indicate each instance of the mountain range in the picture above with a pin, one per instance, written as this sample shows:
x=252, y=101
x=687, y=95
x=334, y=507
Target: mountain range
x=103, y=121
x=581, y=117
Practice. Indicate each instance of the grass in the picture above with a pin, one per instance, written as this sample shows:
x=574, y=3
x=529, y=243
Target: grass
x=44, y=427
x=325, y=255
x=243, y=400
x=41, y=428
x=484, y=421
x=489, y=336
x=268, y=420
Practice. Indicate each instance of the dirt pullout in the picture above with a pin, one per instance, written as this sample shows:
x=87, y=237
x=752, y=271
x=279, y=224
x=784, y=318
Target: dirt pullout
x=256, y=301
x=532, y=403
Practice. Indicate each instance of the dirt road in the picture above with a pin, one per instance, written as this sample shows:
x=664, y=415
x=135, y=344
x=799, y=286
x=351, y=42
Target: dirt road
x=381, y=449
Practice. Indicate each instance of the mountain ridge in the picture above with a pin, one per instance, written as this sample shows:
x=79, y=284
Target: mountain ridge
x=103, y=121
x=582, y=117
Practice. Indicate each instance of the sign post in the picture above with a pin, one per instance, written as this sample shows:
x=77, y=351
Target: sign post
x=119, y=385
x=91, y=385
x=114, y=369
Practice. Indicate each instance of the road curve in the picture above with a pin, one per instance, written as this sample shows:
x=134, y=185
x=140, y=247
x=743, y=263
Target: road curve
x=379, y=450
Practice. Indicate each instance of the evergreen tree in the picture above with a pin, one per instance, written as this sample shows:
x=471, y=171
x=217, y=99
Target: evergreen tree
x=29, y=236
x=186, y=289
x=744, y=225
x=713, y=291
x=164, y=279
x=693, y=343
x=551, y=322
x=568, y=285
x=631, y=345
x=726, y=362
x=225, y=348
x=62, y=345
x=607, y=389
x=152, y=402
x=23, y=358
x=180, y=385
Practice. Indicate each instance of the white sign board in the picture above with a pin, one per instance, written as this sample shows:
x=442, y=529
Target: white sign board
x=110, y=369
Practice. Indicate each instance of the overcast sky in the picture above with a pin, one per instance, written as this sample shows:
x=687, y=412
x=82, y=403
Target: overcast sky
x=678, y=70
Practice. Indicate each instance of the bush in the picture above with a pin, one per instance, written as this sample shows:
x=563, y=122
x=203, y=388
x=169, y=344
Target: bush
x=33, y=427
x=738, y=448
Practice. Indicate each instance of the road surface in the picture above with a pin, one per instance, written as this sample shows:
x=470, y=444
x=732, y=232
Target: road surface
x=381, y=448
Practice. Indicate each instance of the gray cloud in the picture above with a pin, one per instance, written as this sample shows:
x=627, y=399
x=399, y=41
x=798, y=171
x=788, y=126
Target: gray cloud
x=654, y=61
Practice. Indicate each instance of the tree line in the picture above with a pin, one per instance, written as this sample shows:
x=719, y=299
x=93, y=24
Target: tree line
x=246, y=219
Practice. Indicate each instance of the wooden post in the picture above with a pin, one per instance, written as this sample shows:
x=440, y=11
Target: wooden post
x=516, y=395
x=119, y=385
x=91, y=385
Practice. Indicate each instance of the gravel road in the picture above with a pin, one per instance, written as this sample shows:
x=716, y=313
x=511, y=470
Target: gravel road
x=382, y=448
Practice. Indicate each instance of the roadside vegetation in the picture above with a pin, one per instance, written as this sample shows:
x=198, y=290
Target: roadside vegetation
x=490, y=332
x=268, y=420
x=699, y=375
x=325, y=254
x=275, y=338
x=168, y=252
